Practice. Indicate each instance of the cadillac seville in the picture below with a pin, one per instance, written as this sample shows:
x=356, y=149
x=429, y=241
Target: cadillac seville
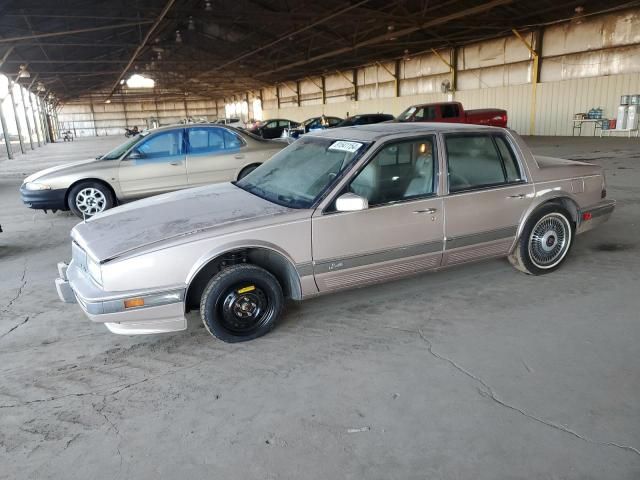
x=337, y=209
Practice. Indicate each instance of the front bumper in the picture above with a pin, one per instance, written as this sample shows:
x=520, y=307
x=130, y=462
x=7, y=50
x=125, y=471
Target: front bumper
x=44, y=199
x=162, y=310
x=590, y=217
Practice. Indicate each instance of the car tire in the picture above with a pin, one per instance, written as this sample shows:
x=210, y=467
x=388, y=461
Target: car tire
x=545, y=241
x=247, y=170
x=87, y=199
x=241, y=303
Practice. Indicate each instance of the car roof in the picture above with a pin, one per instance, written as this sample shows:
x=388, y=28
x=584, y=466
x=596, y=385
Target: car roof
x=377, y=131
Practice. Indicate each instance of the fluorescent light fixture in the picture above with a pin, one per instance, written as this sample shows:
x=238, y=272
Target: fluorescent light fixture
x=139, y=81
x=23, y=73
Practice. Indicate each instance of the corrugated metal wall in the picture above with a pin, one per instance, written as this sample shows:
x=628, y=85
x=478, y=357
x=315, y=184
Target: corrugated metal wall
x=589, y=62
x=586, y=63
x=88, y=118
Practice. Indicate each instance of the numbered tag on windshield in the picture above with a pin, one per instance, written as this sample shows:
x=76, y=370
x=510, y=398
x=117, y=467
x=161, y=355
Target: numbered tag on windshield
x=343, y=146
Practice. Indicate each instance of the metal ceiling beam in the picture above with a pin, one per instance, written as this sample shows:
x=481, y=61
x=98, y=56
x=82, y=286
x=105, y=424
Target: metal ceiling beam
x=6, y=55
x=159, y=19
x=284, y=37
x=72, y=32
x=394, y=34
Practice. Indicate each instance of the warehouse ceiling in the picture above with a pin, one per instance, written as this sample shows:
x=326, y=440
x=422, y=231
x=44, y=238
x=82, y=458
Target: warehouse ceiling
x=217, y=48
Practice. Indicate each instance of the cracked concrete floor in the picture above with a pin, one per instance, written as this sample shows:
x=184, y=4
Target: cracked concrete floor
x=477, y=372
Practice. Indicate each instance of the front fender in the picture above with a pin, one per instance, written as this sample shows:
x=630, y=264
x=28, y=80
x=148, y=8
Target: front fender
x=207, y=257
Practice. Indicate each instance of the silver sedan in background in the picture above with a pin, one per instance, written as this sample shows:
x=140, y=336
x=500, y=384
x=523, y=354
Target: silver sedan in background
x=156, y=161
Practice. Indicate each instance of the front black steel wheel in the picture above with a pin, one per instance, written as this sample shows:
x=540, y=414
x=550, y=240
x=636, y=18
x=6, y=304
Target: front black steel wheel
x=241, y=303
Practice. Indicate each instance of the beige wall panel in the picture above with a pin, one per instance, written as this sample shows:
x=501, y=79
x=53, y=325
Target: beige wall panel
x=424, y=65
x=592, y=33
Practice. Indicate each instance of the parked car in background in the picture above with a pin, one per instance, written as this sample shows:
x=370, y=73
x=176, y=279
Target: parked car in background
x=272, y=128
x=336, y=209
x=313, y=124
x=365, y=119
x=453, y=112
x=155, y=161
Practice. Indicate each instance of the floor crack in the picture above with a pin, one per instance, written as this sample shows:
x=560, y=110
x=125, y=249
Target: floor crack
x=26, y=319
x=23, y=283
x=112, y=426
x=487, y=391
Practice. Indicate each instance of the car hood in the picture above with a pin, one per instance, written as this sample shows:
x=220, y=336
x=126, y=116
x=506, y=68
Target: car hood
x=66, y=168
x=157, y=219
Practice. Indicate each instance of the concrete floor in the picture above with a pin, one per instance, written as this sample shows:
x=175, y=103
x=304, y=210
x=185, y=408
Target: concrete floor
x=478, y=372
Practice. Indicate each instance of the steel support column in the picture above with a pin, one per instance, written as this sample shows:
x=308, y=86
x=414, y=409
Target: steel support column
x=535, y=71
x=35, y=118
x=5, y=133
x=43, y=121
x=15, y=115
x=93, y=118
x=355, y=84
x=26, y=117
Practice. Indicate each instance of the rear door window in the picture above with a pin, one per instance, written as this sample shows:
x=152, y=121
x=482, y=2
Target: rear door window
x=509, y=159
x=204, y=140
x=476, y=161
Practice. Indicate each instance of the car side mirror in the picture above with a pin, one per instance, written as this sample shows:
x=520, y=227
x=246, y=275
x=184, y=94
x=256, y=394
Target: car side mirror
x=135, y=155
x=350, y=202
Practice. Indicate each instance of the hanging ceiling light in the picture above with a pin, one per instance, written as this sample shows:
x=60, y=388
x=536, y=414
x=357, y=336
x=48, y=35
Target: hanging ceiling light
x=207, y=6
x=178, y=37
x=23, y=72
x=191, y=25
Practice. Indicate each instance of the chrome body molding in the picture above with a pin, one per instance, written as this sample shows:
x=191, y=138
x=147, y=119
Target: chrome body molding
x=482, y=237
x=304, y=269
x=377, y=257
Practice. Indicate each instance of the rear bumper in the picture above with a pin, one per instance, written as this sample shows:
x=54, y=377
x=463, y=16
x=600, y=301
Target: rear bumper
x=162, y=311
x=590, y=217
x=44, y=199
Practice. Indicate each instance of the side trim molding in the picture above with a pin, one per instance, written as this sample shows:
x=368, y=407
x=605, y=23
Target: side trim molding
x=482, y=237
x=336, y=264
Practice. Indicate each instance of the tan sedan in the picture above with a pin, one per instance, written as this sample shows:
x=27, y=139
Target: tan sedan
x=337, y=209
x=156, y=161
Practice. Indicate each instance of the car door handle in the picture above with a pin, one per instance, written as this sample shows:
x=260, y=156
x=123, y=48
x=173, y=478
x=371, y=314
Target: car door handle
x=175, y=163
x=519, y=195
x=239, y=156
x=427, y=210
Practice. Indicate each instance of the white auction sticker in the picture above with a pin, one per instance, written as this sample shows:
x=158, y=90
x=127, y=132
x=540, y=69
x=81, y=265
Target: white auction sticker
x=343, y=146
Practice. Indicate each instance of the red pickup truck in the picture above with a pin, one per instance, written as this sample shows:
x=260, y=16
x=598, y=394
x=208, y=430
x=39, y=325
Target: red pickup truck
x=453, y=112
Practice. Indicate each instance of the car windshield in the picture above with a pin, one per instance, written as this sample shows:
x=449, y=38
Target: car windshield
x=348, y=122
x=121, y=149
x=297, y=176
x=406, y=115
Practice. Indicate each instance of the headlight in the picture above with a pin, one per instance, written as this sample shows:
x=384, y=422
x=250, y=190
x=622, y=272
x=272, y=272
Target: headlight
x=36, y=186
x=94, y=269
